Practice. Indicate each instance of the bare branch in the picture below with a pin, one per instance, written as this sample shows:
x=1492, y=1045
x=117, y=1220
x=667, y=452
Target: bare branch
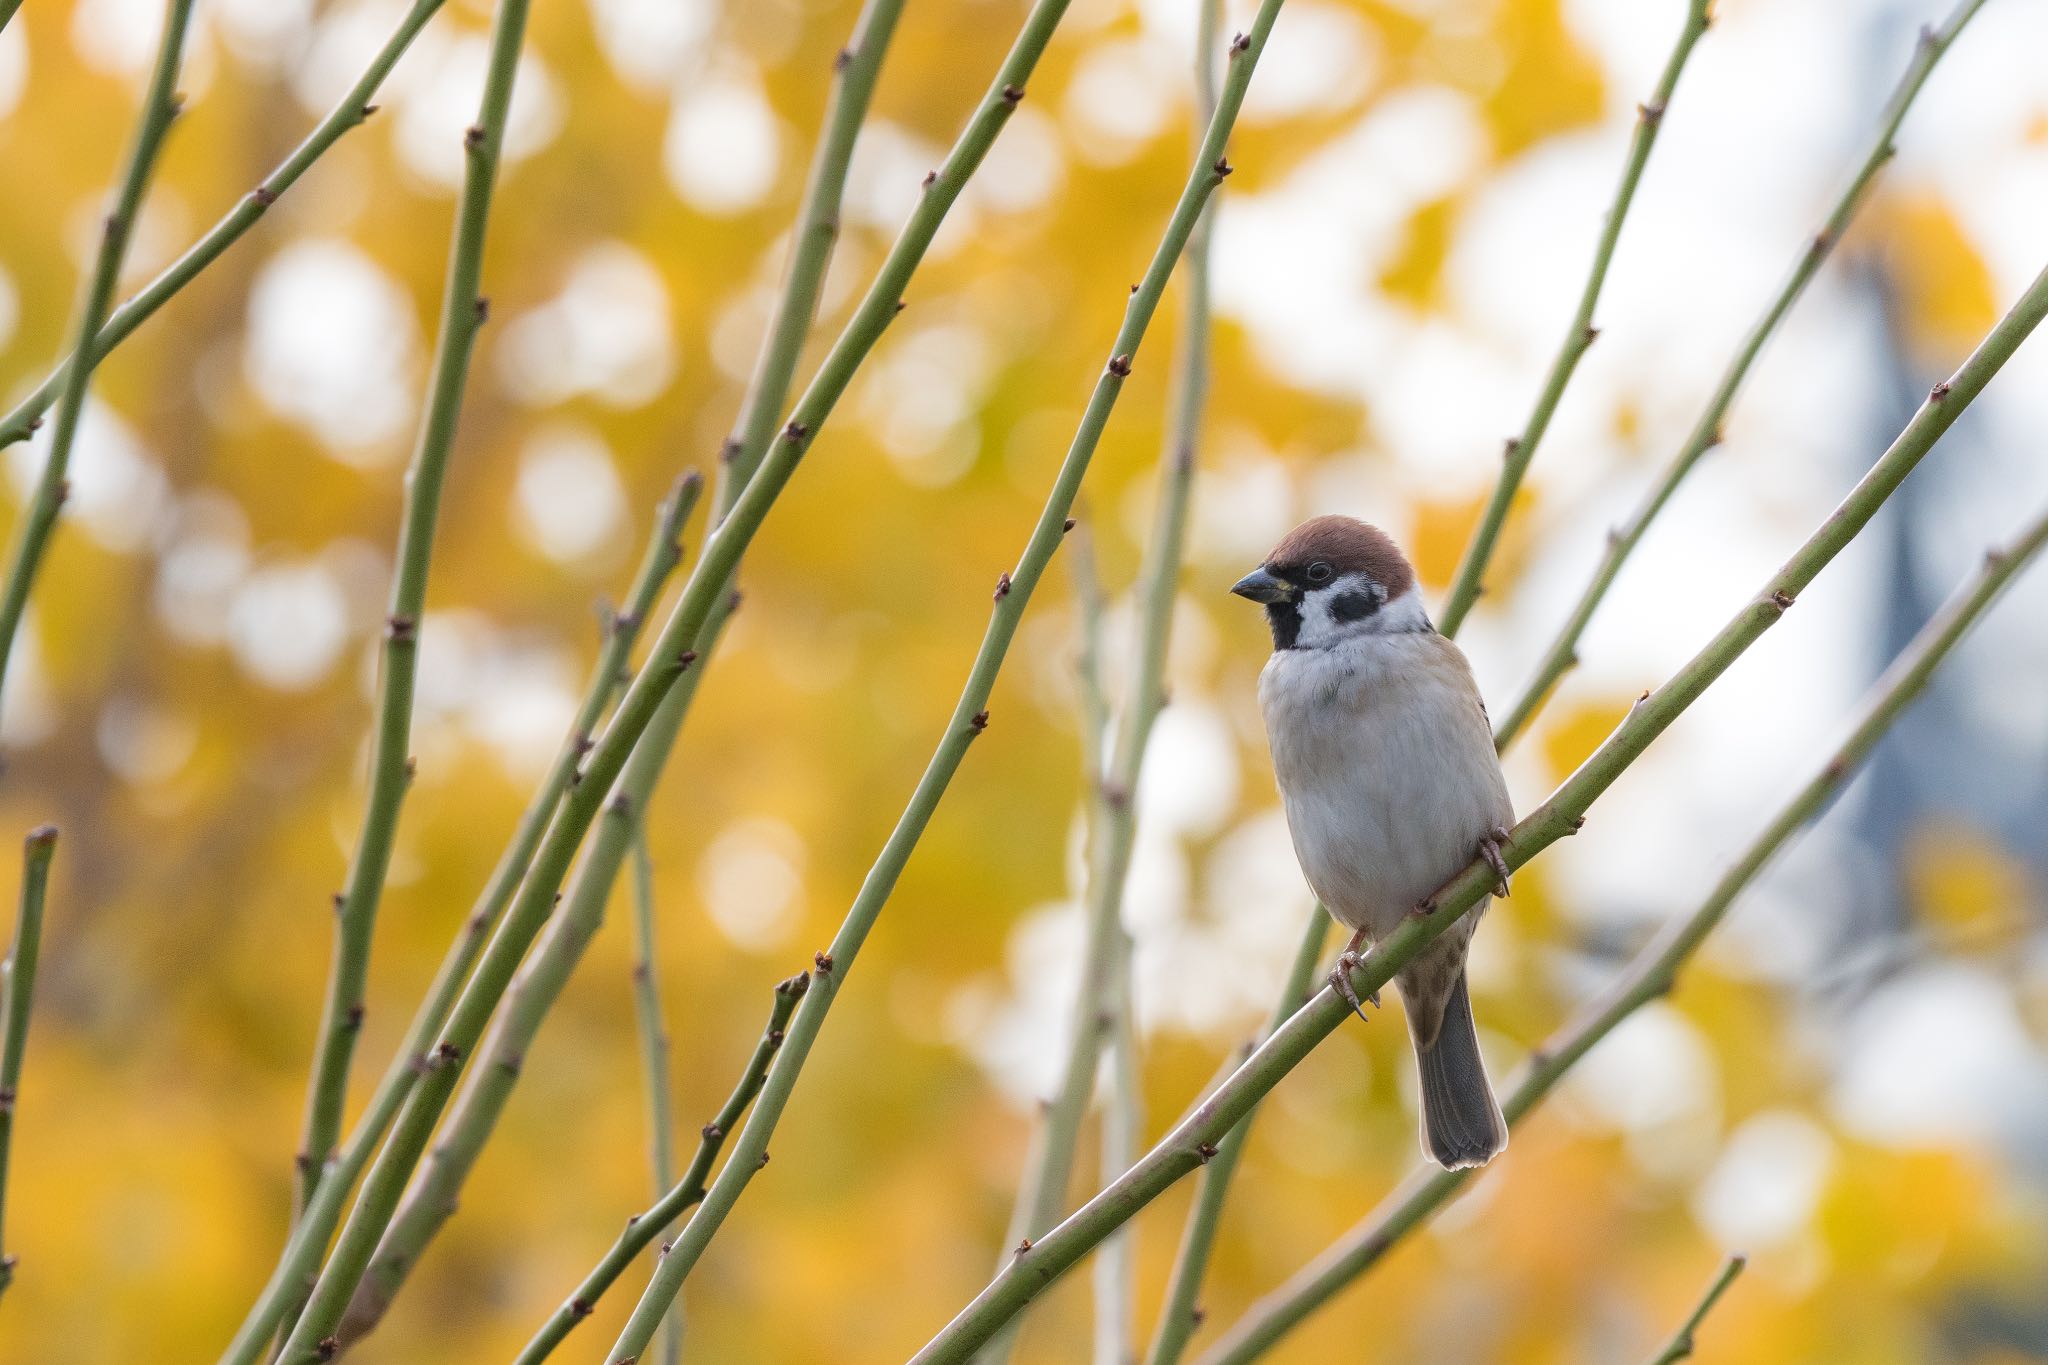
x=17, y=994
x=160, y=105
x=1681, y=1344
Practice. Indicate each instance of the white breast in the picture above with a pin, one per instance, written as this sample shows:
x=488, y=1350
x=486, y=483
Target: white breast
x=1386, y=769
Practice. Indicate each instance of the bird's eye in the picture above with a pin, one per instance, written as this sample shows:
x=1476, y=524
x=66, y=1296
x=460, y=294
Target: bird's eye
x=1319, y=572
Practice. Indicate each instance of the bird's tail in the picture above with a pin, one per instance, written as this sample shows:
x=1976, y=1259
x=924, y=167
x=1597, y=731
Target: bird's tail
x=1461, y=1121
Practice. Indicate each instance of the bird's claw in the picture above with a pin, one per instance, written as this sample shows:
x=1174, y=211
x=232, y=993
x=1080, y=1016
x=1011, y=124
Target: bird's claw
x=1489, y=849
x=1340, y=977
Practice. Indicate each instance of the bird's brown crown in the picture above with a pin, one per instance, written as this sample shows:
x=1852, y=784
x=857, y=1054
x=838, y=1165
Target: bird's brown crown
x=1347, y=545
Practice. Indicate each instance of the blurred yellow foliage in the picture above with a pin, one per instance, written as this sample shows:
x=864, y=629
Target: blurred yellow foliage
x=1963, y=881
x=1574, y=732
x=1944, y=285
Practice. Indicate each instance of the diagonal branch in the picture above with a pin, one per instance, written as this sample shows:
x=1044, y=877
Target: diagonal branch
x=702, y=598
x=1681, y=1344
x=1562, y=654
x=17, y=993
x=643, y=1228
x=1470, y=582
x=349, y=112
x=1194, y=1140
x=652, y=1028
x=1655, y=969
x=160, y=105
x=970, y=715
x=463, y=311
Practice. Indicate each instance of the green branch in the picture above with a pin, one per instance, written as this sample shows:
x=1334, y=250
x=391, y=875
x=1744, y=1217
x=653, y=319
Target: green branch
x=1182, y=1313
x=1681, y=1344
x=1123, y=1114
x=704, y=595
x=1470, y=581
x=348, y=113
x=1194, y=1140
x=1561, y=655
x=160, y=104
x=643, y=1228
x=1123, y=1137
x=1654, y=971
x=654, y=1052
x=463, y=310
x=17, y=994
x=1112, y=791
x=817, y=231
x=1090, y=696
x=970, y=716
x=294, y=1272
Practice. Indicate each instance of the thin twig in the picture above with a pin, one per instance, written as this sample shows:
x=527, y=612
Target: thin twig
x=17, y=994
x=1090, y=696
x=292, y=1276
x=432, y=1198
x=817, y=231
x=643, y=1228
x=1123, y=1136
x=1470, y=581
x=1681, y=1344
x=1185, y=1148
x=348, y=112
x=463, y=311
x=970, y=716
x=160, y=105
x=1561, y=656
x=1652, y=973
x=704, y=594
x=1182, y=1312
x=1042, y=1193
x=1123, y=1115
x=654, y=1053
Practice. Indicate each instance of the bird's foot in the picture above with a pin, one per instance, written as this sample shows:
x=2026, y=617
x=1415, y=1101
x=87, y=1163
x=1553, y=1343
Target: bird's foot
x=1489, y=849
x=1340, y=977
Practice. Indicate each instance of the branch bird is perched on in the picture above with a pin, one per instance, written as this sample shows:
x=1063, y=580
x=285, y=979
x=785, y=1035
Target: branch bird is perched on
x=1387, y=771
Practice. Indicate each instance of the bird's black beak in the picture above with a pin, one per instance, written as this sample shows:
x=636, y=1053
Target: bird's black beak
x=1261, y=586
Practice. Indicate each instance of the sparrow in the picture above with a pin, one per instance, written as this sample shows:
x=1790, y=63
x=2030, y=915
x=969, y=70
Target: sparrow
x=1387, y=771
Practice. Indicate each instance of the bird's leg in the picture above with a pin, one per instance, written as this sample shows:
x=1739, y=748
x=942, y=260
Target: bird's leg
x=1489, y=849
x=1340, y=976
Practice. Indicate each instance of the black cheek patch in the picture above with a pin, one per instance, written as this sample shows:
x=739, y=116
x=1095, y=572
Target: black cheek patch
x=1353, y=606
x=1285, y=619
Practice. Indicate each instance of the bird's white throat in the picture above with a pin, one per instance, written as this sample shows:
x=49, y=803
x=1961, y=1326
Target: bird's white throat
x=1354, y=607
